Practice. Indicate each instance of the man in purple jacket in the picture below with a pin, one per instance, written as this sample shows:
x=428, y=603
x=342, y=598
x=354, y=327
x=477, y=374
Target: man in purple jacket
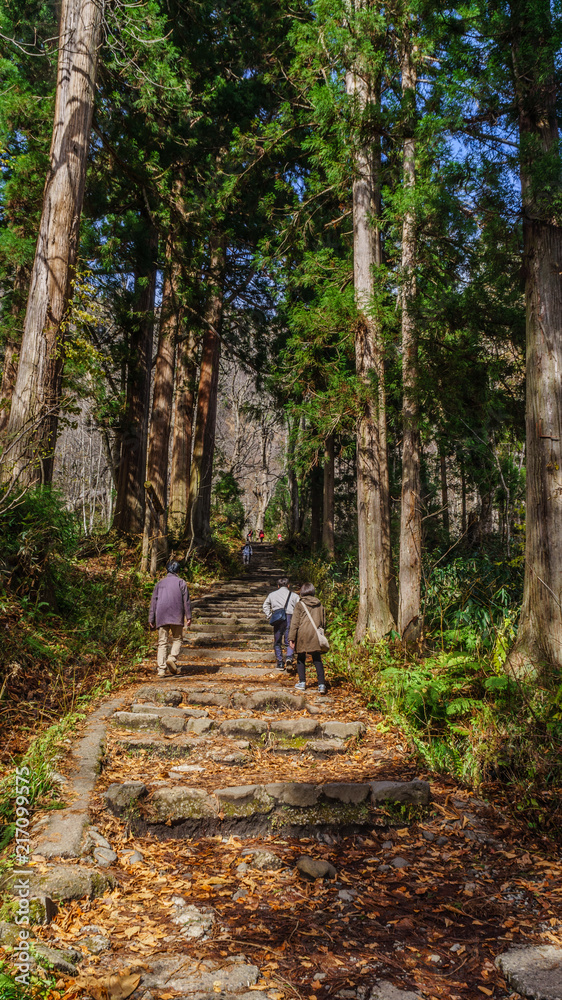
x=169, y=606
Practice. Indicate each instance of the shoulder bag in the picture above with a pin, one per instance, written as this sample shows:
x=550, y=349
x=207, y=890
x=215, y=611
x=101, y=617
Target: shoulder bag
x=323, y=644
x=281, y=613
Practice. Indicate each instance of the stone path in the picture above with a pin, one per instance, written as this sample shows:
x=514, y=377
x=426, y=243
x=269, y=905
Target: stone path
x=247, y=841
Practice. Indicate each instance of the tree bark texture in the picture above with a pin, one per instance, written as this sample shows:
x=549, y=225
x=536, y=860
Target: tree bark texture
x=9, y=375
x=11, y=350
x=409, y=603
x=155, y=546
x=201, y=478
x=130, y=501
x=316, y=478
x=539, y=640
x=375, y=618
x=182, y=435
x=328, y=539
x=292, y=481
x=262, y=491
x=444, y=496
x=32, y=426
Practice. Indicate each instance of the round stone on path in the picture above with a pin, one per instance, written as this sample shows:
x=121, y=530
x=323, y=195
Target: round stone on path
x=133, y=859
x=314, y=868
x=180, y=769
x=535, y=971
x=194, y=922
x=96, y=944
x=104, y=856
x=386, y=991
x=400, y=863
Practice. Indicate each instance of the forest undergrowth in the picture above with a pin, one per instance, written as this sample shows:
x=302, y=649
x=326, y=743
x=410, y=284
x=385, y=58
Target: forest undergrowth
x=451, y=693
x=74, y=615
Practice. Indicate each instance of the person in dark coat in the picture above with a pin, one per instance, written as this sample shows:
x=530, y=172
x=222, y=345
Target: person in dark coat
x=169, y=607
x=304, y=638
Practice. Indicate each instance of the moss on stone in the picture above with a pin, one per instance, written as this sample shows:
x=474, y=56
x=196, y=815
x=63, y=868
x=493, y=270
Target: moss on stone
x=259, y=803
x=323, y=813
x=291, y=742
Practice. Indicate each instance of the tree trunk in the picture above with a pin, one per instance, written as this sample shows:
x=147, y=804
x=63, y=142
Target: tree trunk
x=539, y=639
x=9, y=375
x=201, y=478
x=316, y=478
x=409, y=606
x=32, y=426
x=11, y=350
x=444, y=496
x=263, y=490
x=328, y=512
x=155, y=545
x=292, y=481
x=375, y=618
x=182, y=435
x=130, y=501
x=463, y=498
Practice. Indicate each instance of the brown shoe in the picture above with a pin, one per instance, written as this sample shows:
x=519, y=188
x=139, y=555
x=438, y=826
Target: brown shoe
x=171, y=665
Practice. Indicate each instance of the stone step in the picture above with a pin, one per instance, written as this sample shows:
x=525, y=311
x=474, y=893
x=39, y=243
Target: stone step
x=234, y=655
x=210, y=642
x=161, y=718
x=284, y=808
x=229, y=628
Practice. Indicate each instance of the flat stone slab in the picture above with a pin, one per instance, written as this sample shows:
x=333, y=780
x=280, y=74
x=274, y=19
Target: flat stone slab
x=326, y=746
x=62, y=835
x=173, y=804
x=199, y=726
x=206, y=698
x=295, y=793
x=244, y=800
x=306, y=803
x=346, y=791
x=160, y=695
x=386, y=991
x=274, y=698
x=119, y=797
x=244, y=727
x=64, y=883
x=161, y=710
x=535, y=971
x=182, y=746
x=132, y=720
x=411, y=792
x=294, y=727
x=196, y=654
x=343, y=730
x=176, y=973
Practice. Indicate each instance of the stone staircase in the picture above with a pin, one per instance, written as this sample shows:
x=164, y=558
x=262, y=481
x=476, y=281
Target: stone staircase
x=235, y=734
x=225, y=837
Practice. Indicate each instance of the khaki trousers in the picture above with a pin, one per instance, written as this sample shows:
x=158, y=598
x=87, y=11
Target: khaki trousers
x=163, y=631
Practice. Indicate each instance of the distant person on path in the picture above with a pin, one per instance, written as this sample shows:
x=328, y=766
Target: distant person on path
x=250, y=535
x=247, y=554
x=262, y=535
x=279, y=539
x=278, y=608
x=304, y=638
x=169, y=606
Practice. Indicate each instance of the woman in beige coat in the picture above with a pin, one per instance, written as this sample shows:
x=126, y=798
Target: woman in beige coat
x=304, y=638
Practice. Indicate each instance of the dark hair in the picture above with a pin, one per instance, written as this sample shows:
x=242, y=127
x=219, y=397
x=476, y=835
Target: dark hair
x=173, y=566
x=307, y=590
x=283, y=581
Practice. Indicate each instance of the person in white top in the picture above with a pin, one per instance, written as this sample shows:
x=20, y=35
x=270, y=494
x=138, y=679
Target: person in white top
x=278, y=608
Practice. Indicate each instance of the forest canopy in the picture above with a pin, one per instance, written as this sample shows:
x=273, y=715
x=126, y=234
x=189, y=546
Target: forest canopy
x=295, y=266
